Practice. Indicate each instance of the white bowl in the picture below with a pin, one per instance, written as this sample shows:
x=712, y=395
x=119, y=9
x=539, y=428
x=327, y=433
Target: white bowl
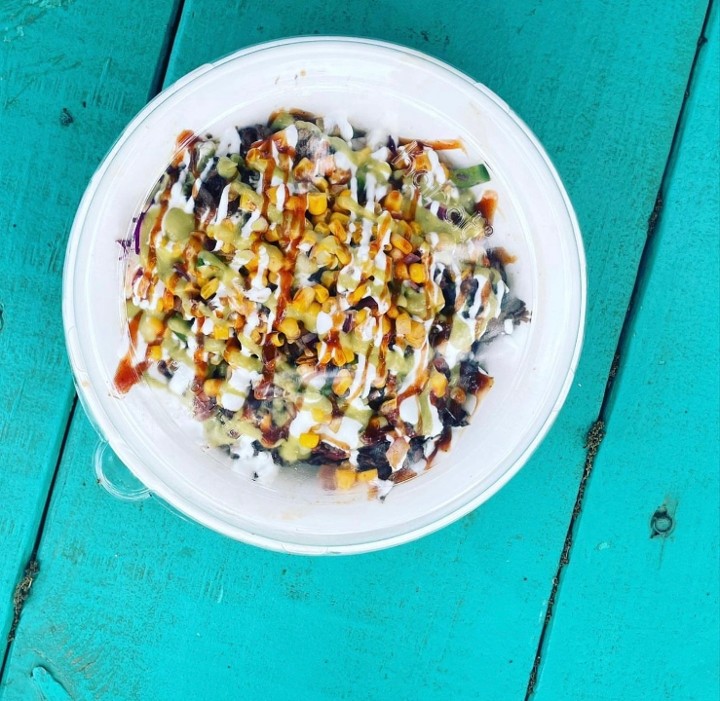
x=373, y=84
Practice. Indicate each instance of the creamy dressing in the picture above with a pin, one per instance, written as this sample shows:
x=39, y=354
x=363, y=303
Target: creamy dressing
x=222, y=209
x=247, y=227
x=229, y=142
x=347, y=435
x=291, y=136
x=336, y=121
x=410, y=410
x=438, y=174
x=302, y=423
x=280, y=195
x=181, y=380
x=324, y=324
x=263, y=468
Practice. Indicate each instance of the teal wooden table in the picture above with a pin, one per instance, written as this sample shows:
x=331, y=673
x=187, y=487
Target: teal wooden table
x=592, y=575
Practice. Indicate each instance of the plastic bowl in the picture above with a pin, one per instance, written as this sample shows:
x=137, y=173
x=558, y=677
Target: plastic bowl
x=373, y=84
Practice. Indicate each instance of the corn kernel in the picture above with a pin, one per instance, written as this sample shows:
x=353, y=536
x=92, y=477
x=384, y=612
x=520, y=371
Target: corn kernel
x=337, y=229
x=322, y=228
x=366, y=475
x=290, y=328
x=156, y=326
x=233, y=357
x=252, y=265
x=167, y=301
x=155, y=352
x=393, y=201
x=296, y=203
x=222, y=333
x=303, y=298
x=345, y=478
x=403, y=324
x=321, y=184
x=309, y=440
x=401, y=243
x=337, y=355
x=343, y=255
x=247, y=204
x=401, y=271
x=357, y=294
x=458, y=395
x=304, y=170
x=254, y=155
x=340, y=217
x=392, y=312
x=438, y=384
x=277, y=339
x=321, y=294
x=319, y=415
x=416, y=337
x=259, y=225
x=309, y=238
x=324, y=259
x=421, y=162
x=329, y=244
x=342, y=382
x=275, y=258
x=317, y=203
x=210, y=288
x=417, y=273
x=212, y=387
x=340, y=178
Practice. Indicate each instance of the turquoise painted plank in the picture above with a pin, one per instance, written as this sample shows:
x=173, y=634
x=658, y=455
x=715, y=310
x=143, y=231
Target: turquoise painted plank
x=188, y=614
x=133, y=602
x=71, y=75
x=637, y=613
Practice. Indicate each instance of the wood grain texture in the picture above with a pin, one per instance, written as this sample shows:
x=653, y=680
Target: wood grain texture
x=133, y=602
x=62, y=102
x=637, y=613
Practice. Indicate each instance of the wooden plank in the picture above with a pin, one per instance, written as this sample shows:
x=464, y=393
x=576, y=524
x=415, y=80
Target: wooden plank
x=71, y=75
x=637, y=612
x=458, y=614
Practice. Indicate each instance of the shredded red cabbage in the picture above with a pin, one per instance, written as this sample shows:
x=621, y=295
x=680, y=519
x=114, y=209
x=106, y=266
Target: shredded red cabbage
x=136, y=233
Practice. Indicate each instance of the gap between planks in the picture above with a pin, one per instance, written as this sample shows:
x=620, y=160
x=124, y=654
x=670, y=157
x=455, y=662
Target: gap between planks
x=597, y=431
x=22, y=590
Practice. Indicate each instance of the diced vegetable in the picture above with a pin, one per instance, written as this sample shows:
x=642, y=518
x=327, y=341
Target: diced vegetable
x=468, y=177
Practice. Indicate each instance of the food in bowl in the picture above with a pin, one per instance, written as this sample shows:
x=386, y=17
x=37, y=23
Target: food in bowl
x=319, y=295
